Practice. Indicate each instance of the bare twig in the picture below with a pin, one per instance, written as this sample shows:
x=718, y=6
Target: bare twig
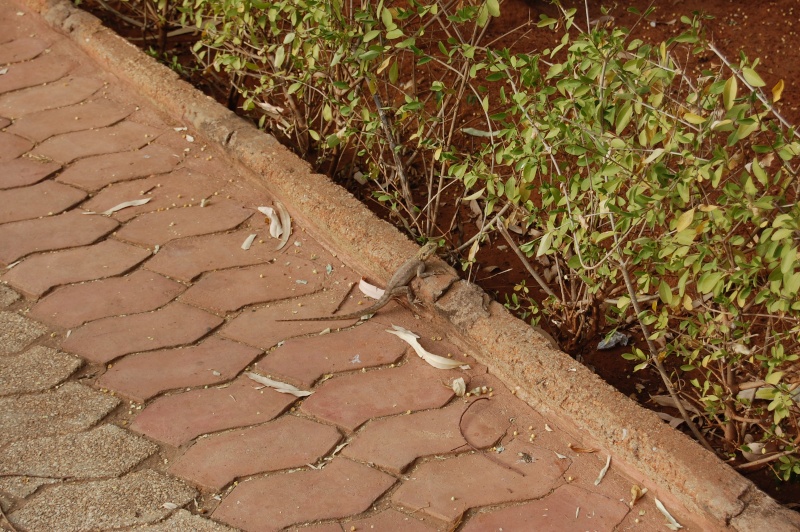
x=542, y=284
x=765, y=460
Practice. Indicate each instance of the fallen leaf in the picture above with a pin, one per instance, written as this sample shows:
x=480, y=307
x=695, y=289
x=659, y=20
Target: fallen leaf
x=286, y=224
x=169, y=505
x=3, y=71
x=667, y=400
x=581, y=449
x=459, y=387
x=248, y=242
x=673, y=421
x=189, y=138
x=123, y=205
x=672, y=524
x=603, y=471
x=636, y=494
x=434, y=360
x=370, y=290
x=560, y=456
x=547, y=428
x=278, y=386
x=275, y=228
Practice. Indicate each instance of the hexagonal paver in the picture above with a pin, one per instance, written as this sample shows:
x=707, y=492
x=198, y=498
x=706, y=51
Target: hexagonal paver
x=141, y=291
x=37, y=369
x=24, y=171
x=285, y=443
x=67, y=230
x=21, y=49
x=92, y=114
x=125, y=136
x=67, y=91
x=37, y=200
x=12, y=146
x=46, y=69
x=108, y=338
x=340, y=489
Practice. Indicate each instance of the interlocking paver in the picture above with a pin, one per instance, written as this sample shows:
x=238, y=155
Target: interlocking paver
x=12, y=146
x=4, y=122
x=350, y=400
x=137, y=498
x=93, y=173
x=161, y=227
x=69, y=408
x=108, y=338
x=37, y=369
x=125, y=136
x=177, y=189
x=183, y=521
x=187, y=258
x=97, y=113
x=17, y=331
x=389, y=520
x=395, y=442
x=50, y=67
x=287, y=442
x=260, y=328
x=230, y=290
x=21, y=49
x=445, y=489
x=66, y=91
x=301, y=361
x=38, y=274
x=71, y=229
x=567, y=509
x=340, y=489
x=24, y=171
x=141, y=291
x=101, y=452
x=145, y=375
x=176, y=419
x=38, y=200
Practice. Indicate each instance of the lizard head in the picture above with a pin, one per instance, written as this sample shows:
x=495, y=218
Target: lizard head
x=428, y=250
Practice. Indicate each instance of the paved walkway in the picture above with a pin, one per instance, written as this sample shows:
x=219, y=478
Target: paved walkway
x=128, y=342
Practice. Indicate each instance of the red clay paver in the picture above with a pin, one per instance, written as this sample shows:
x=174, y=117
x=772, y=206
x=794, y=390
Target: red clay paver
x=158, y=228
x=567, y=509
x=350, y=400
x=66, y=91
x=260, y=328
x=108, y=338
x=230, y=290
x=23, y=172
x=141, y=291
x=125, y=136
x=340, y=489
x=287, y=442
x=93, y=173
x=445, y=489
x=389, y=520
x=177, y=419
x=38, y=274
x=179, y=188
x=12, y=146
x=46, y=69
x=85, y=115
x=395, y=442
x=71, y=229
x=43, y=199
x=22, y=49
x=187, y=258
x=301, y=361
x=145, y=375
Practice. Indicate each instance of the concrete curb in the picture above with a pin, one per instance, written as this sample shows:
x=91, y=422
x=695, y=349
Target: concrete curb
x=650, y=451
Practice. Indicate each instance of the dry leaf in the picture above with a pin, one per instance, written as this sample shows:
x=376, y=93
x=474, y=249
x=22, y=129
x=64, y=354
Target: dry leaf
x=3, y=71
x=169, y=505
x=275, y=228
x=278, y=386
x=434, y=360
x=560, y=456
x=581, y=449
x=674, y=422
x=636, y=494
x=603, y=471
x=123, y=205
x=369, y=290
x=666, y=400
x=547, y=428
x=672, y=524
x=248, y=242
x=459, y=387
x=286, y=223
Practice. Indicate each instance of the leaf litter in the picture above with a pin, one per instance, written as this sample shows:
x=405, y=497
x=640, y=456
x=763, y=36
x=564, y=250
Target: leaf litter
x=434, y=360
x=278, y=386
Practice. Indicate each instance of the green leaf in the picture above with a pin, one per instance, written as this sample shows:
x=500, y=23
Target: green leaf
x=707, y=282
x=665, y=293
x=693, y=118
x=371, y=35
x=494, y=7
x=774, y=378
x=685, y=220
x=729, y=92
x=752, y=77
x=280, y=55
x=544, y=244
x=624, y=117
x=332, y=141
x=394, y=34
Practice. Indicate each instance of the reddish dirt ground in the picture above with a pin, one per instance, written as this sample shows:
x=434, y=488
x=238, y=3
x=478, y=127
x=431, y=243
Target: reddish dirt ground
x=767, y=30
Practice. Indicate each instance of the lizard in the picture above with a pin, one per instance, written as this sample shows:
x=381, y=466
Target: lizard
x=398, y=284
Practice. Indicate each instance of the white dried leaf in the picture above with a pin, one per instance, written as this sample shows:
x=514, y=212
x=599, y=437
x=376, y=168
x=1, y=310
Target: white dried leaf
x=3, y=71
x=123, y=205
x=12, y=264
x=473, y=250
x=672, y=524
x=603, y=471
x=180, y=128
x=278, y=386
x=189, y=138
x=286, y=224
x=273, y=110
x=667, y=400
x=434, y=360
x=248, y=241
x=674, y=422
x=560, y=456
x=459, y=387
x=547, y=428
x=169, y=505
x=370, y=290
x=275, y=228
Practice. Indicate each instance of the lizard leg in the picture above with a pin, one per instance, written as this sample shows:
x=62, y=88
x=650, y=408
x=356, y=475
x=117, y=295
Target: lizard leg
x=408, y=292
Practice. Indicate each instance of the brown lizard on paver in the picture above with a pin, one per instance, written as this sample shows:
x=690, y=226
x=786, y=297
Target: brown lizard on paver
x=398, y=284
